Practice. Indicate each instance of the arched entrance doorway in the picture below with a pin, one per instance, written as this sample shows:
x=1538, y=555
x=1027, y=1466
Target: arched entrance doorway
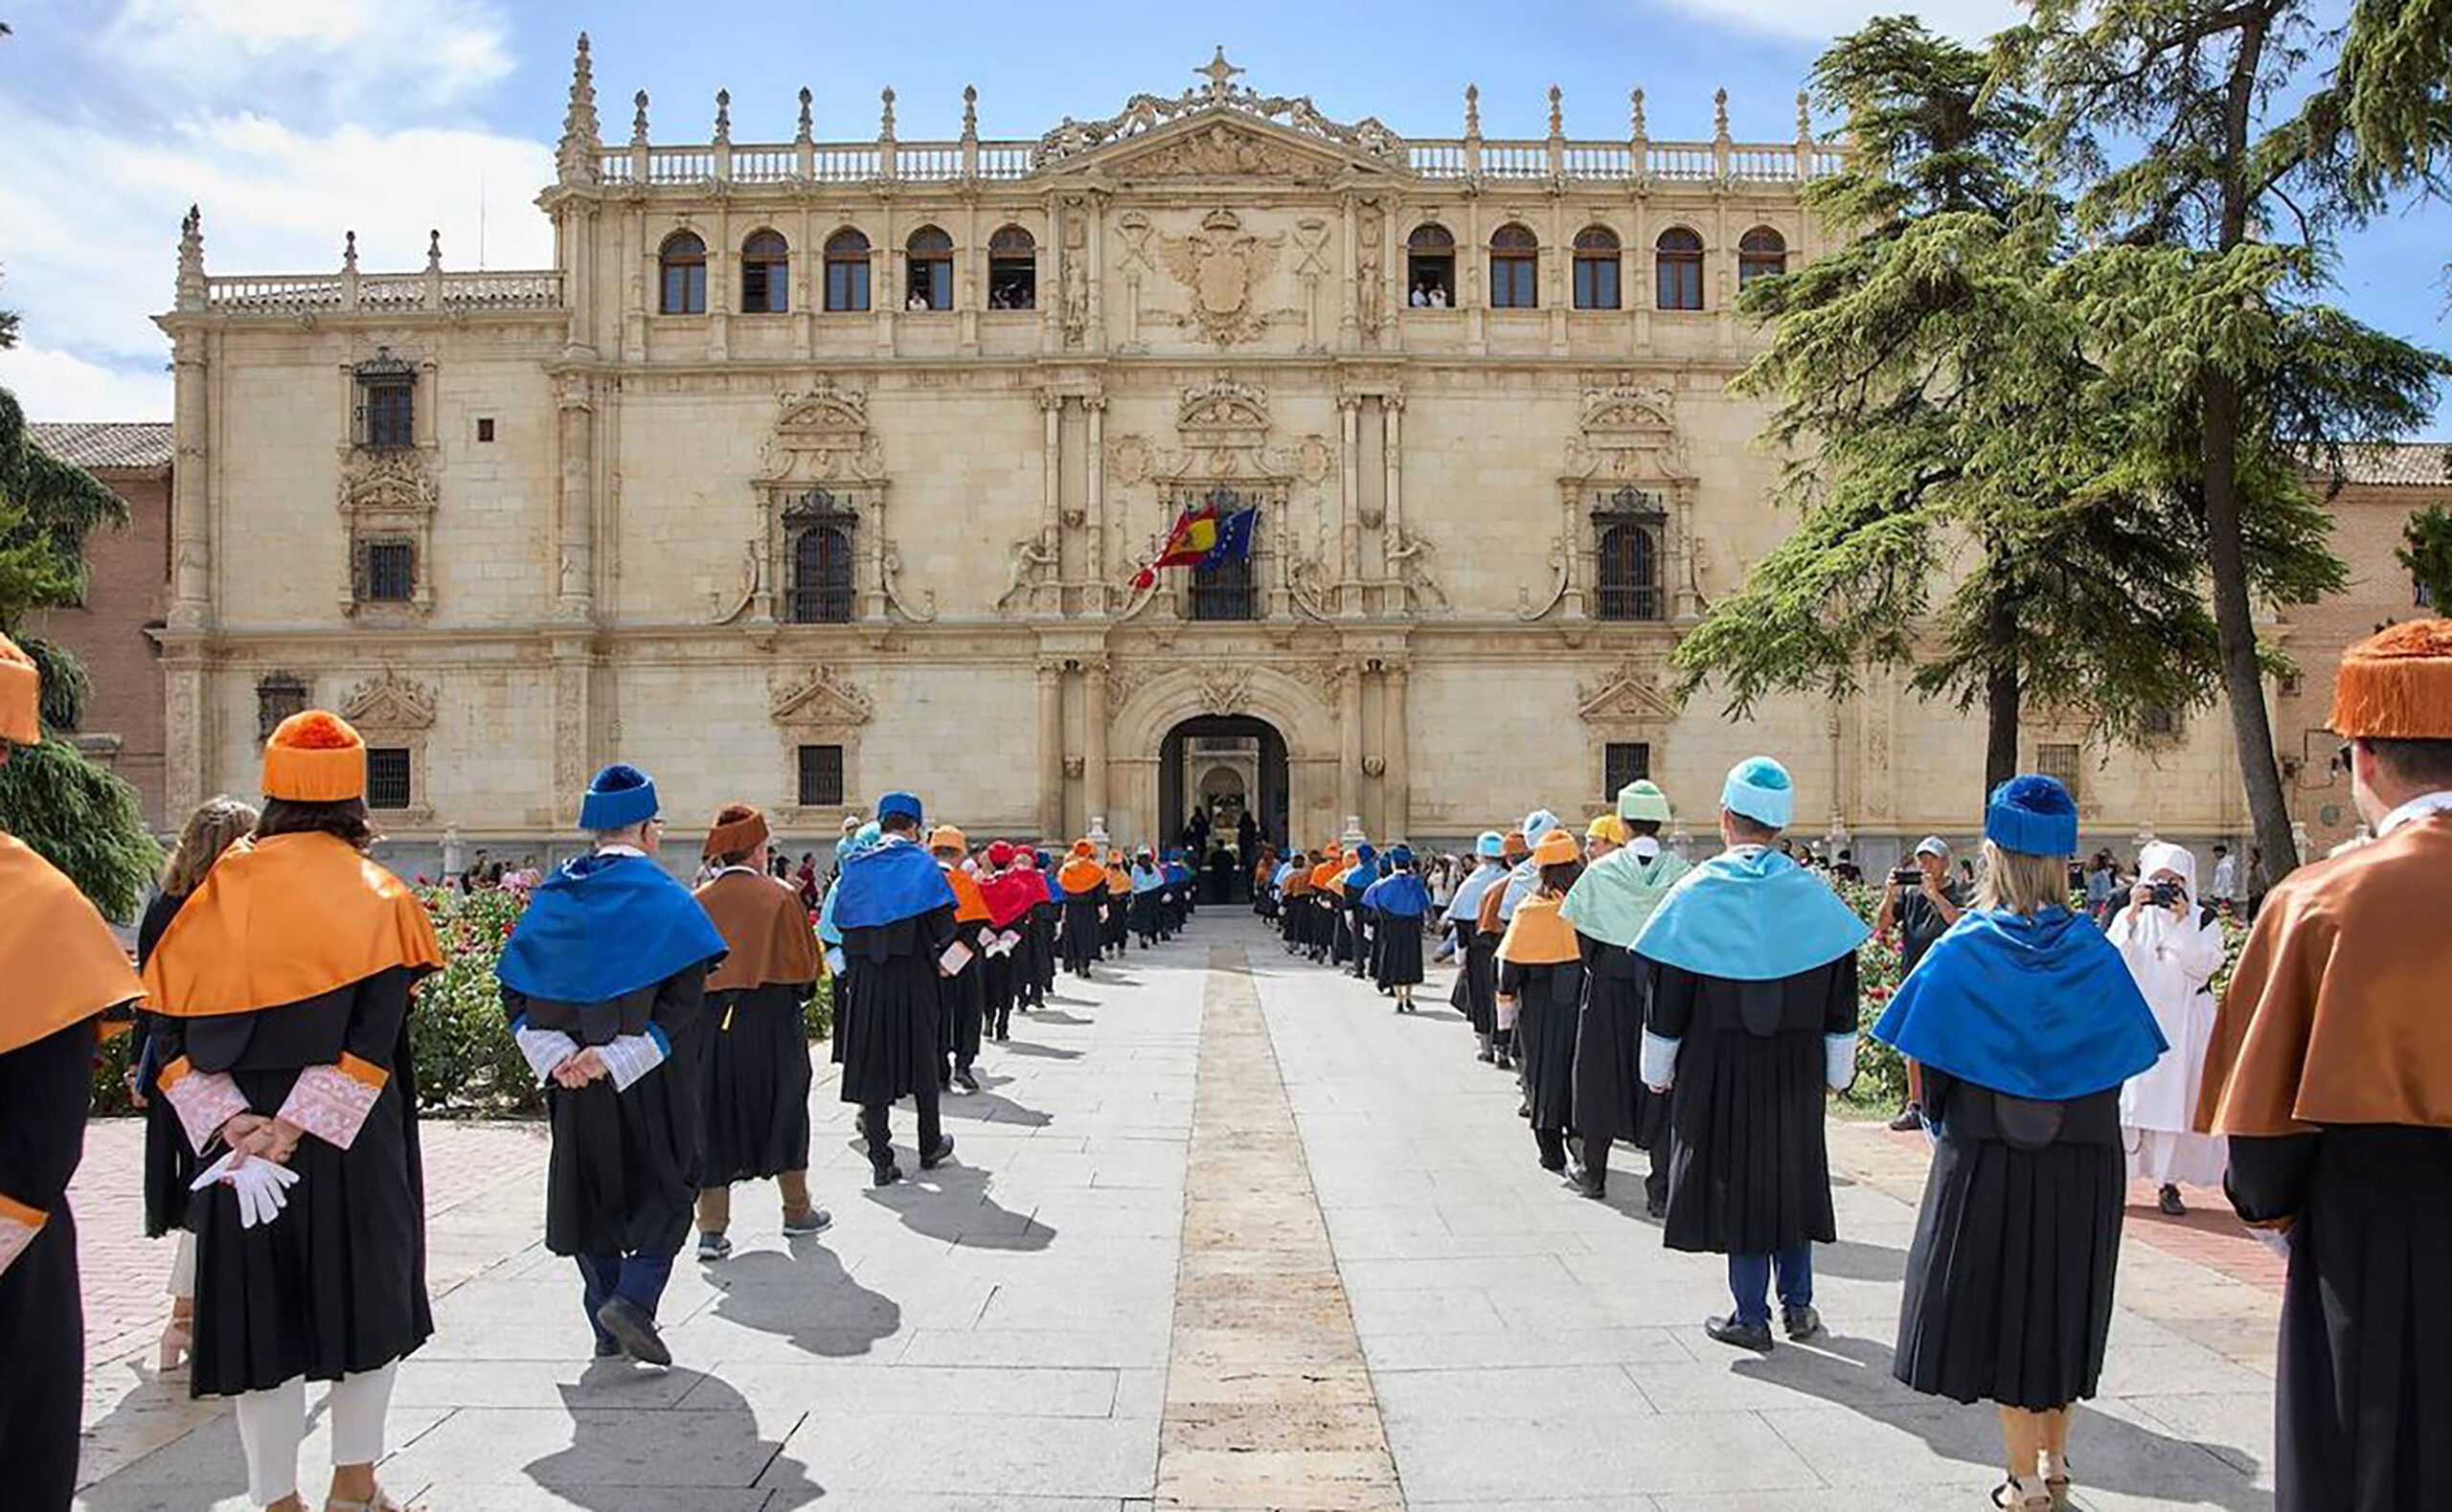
x=1222, y=768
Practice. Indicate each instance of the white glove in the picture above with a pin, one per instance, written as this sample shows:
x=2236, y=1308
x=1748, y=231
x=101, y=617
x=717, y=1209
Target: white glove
x=261, y=1187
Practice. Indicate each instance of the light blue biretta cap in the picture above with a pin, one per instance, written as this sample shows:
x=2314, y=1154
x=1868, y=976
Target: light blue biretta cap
x=1760, y=788
x=1538, y=822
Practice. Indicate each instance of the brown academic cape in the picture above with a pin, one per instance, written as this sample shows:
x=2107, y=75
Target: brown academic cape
x=766, y=932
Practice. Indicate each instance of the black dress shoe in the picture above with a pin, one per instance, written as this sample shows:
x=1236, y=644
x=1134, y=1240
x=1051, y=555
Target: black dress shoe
x=1755, y=1336
x=1801, y=1322
x=608, y=1350
x=885, y=1175
x=943, y=1152
x=635, y=1328
x=1656, y=1206
x=2171, y=1203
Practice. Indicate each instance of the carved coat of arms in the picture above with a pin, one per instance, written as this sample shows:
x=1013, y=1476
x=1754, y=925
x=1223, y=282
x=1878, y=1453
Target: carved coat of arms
x=1222, y=264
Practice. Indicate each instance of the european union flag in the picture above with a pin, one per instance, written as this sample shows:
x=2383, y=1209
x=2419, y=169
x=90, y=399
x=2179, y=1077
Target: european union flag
x=1234, y=538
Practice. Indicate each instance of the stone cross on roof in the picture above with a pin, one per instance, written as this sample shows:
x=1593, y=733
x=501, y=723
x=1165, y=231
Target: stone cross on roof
x=1219, y=73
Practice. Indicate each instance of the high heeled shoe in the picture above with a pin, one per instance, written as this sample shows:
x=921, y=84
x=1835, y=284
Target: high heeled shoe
x=178, y=1340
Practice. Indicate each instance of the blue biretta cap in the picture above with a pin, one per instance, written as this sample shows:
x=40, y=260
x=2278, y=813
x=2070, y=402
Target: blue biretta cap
x=1402, y=856
x=618, y=796
x=904, y=804
x=1492, y=843
x=1760, y=788
x=2033, y=814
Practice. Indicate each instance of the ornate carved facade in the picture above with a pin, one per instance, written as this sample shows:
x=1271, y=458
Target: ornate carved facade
x=816, y=463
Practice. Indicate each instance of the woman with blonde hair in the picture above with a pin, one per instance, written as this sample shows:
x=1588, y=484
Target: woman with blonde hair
x=2027, y=1025
x=168, y=1164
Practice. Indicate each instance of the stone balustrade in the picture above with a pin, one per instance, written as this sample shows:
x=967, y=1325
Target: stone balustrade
x=382, y=293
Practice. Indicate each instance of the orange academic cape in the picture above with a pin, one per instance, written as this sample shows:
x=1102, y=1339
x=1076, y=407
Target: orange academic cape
x=2340, y=1009
x=1081, y=874
x=57, y=956
x=970, y=905
x=281, y=920
x=1538, y=935
x=767, y=937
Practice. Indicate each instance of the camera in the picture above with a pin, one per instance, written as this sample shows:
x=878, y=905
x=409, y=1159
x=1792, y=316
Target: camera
x=2166, y=894
x=1907, y=877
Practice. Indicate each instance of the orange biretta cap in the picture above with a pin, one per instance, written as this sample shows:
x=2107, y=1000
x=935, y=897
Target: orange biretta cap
x=20, y=696
x=314, y=758
x=1556, y=847
x=946, y=837
x=2396, y=685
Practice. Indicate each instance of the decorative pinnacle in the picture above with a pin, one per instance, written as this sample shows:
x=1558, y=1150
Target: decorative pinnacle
x=1804, y=117
x=1472, y=110
x=1719, y=114
x=1219, y=73
x=192, y=295
x=639, y=120
x=349, y=252
x=800, y=136
x=971, y=112
x=1635, y=115
x=575, y=158
x=885, y=117
x=723, y=115
x=1557, y=115
x=434, y=252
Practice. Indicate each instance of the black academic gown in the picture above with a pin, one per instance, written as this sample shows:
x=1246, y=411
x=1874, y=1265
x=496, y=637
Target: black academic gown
x=1082, y=928
x=336, y=1285
x=891, y=1049
x=2362, y=1396
x=1611, y=1101
x=1476, y=976
x=625, y=1169
x=752, y=1082
x=1748, y=1171
x=1546, y=998
x=1401, y=950
x=962, y=1001
x=170, y=1166
x=2008, y=1290
x=45, y=1091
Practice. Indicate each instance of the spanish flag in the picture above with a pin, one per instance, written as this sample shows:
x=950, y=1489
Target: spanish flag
x=1202, y=537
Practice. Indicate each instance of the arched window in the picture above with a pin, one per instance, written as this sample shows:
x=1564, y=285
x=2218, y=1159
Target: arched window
x=1012, y=269
x=1596, y=268
x=1629, y=586
x=847, y=270
x=1761, y=254
x=820, y=568
x=931, y=276
x=1515, y=265
x=683, y=261
x=1430, y=267
x=765, y=275
x=1678, y=256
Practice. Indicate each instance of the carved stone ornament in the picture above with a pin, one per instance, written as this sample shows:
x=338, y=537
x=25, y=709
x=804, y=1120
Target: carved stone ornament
x=1224, y=412
x=1223, y=266
x=389, y=702
x=392, y=481
x=1628, y=430
x=822, y=435
x=818, y=696
x=1631, y=692
x=1126, y=678
x=1223, y=690
x=1075, y=766
x=1367, y=139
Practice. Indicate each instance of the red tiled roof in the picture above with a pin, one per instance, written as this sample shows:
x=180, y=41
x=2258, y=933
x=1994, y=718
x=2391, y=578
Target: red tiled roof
x=2414, y=464
x=106, y=443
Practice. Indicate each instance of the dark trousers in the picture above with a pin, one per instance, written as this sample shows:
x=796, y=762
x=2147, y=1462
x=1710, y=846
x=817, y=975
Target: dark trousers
x=1749, y=1281
x=1596, y=1166
x=638, y=1279
x=874, y=1127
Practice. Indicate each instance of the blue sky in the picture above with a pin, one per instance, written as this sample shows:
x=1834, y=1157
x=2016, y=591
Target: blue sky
x=293, y=120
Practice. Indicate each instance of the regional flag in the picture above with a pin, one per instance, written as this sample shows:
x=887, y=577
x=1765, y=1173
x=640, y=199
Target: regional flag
x=1234, y=542
x=1201, y=537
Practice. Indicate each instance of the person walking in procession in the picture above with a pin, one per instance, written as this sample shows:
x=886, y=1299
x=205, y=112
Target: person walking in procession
x=1540, y=983
x=897, y=914
x=1752, y=1021
x=603, y=982
x=282, y=988
x=1399, y=900
x=65, y=971
x=2027, y=1025
x=963, y=996
x=1476, y=990
x=1083, y=882
x=753, y=1070
x=2331, y=1077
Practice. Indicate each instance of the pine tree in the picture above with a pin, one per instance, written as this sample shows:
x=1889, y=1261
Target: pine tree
x=2428, y=555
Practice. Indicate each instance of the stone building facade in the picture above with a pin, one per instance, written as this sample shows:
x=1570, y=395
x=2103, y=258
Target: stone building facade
x=813, y=469
x=127, y=585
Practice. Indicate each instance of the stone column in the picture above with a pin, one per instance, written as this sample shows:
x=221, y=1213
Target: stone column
x=1051, y=749
x=1348, y=741
x=1094, y=471
x=1349, y=506
x=191, y=487
x=1094, y=742
x=1051, y=511
x=1396, y=796
x=574, y=526
x=1391, y=446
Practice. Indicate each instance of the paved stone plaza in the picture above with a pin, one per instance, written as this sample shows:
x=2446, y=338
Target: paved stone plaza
x=1224, y=1232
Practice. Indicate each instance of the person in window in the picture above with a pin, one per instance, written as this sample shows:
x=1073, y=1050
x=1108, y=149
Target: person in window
x=603, y=983
x=1439, y=296
x=1753, y=1014
x=2331, y=1078
x=170, y=1166
x=919, y=300
x=1419, y=299
x=895, y=911
x=2027, y=1025
x=1920, y=908
x=282, y=988
x=753, y=1072
x=65, y=970
x=2174, y=946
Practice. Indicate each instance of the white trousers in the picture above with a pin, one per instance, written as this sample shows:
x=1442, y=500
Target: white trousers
x=272, y=1425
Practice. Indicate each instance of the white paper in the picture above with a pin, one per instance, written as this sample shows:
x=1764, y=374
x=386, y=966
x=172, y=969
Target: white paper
x=956, y=957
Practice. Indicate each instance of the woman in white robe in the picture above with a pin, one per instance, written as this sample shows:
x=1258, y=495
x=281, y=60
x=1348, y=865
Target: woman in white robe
x=2172, y=950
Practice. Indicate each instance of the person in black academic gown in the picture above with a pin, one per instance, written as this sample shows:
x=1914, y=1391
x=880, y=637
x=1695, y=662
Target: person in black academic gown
x=64, y=971
x=1083, y=882
x=2026, y=1023
x=897, y=914
x=282, y=990
x=1399, y=900
x=603, y=982
x=1752, y=1021
x=1540, y=972
x=1476, y=989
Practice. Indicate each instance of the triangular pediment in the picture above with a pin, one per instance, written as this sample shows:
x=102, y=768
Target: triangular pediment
x=817, y=698
x=1223, y=142
x=1630, y=693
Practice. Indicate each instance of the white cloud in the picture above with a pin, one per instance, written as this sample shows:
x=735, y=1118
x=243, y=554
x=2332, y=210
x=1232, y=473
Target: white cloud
x=61, y=386
x=216, y=52
x=1821, y=20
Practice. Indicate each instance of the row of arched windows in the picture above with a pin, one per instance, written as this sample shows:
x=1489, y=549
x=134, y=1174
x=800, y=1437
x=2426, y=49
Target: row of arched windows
x=765, y=271
x=1515, y=265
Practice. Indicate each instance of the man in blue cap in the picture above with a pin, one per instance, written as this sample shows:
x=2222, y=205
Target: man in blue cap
x=895, y=912
x=604, y=981
x=1475, y=993
x=1753, y=1015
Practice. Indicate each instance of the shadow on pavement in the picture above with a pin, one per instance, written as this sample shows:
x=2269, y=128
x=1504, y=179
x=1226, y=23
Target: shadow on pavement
x=806, y=1297
x=951, y=1203
x=614, y=1454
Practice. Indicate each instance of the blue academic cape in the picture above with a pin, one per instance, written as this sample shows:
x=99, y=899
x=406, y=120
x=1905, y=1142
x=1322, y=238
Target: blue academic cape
x=1750, y=915
x=605, y=925
x=2039, y=1007
x=1399, y=895
x=1467, y=904
x=896, y=881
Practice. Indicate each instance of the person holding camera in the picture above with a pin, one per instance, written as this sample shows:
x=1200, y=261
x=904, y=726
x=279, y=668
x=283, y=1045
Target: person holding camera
x=1920, y=902
x=2174, y=947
